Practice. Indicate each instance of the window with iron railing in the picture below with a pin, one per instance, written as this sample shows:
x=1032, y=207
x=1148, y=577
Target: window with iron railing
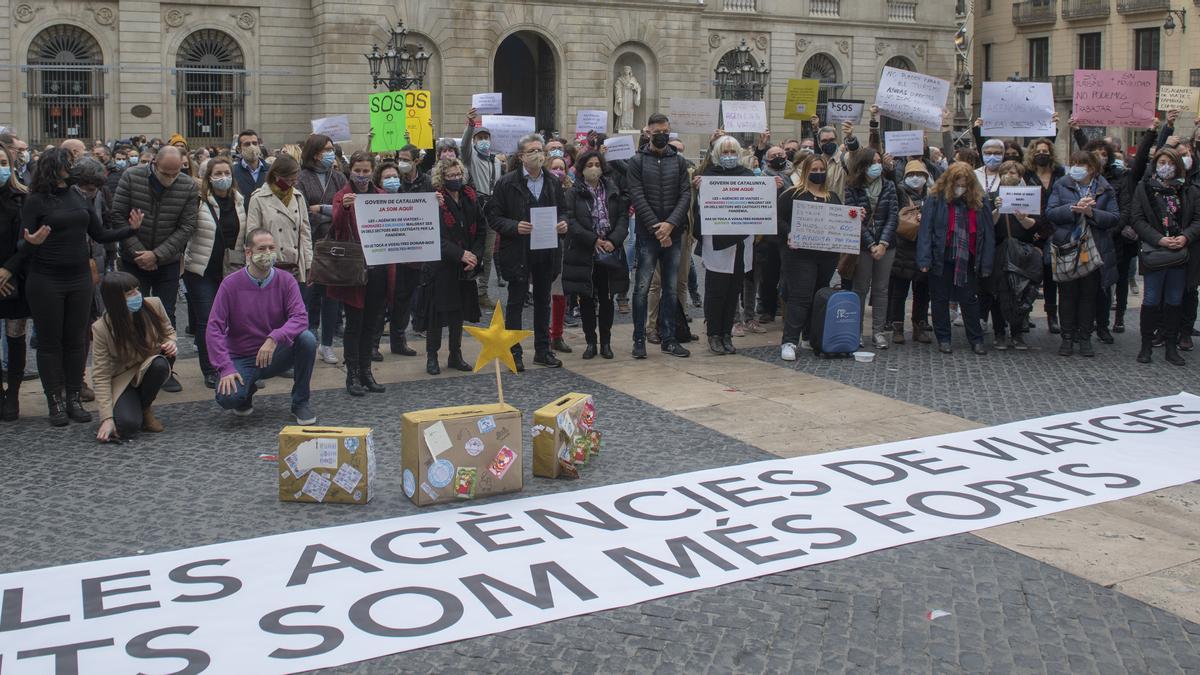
x=65, y=84
x=210, y=87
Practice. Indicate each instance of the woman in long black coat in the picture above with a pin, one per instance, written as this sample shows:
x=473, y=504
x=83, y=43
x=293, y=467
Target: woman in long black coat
x=13, y=308
x=449, y=284
x=594, y=265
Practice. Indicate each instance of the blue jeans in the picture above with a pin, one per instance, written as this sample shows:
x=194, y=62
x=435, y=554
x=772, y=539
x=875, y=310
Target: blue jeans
x=299, y=356
x=1165, y=286
x=651, y=254
x=201, y=291
x=323, y=311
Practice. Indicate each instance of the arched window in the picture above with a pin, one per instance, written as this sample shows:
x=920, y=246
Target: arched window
x=740, y=76
x=211, y=87
x=822, y=67
x=900, y=63
x=66, y=85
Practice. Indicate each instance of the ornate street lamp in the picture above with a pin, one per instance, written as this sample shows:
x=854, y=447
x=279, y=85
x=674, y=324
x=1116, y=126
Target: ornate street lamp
x=739, y=77
x=405, y=64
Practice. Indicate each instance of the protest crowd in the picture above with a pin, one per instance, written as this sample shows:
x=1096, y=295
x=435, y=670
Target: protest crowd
x=97, y=243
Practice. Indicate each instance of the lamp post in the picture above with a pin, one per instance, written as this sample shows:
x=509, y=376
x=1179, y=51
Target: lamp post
x=1169, y=24
x=743, y=79
x=405, y=64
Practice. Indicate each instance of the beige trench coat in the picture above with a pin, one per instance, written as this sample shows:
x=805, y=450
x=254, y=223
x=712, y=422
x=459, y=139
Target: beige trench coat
x=110, y=377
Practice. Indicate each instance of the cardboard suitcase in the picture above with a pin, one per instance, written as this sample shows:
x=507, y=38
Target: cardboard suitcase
x=326, y=465
x=450, y=454
x=564, y=436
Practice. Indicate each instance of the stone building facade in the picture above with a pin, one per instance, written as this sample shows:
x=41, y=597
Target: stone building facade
x=110, y=69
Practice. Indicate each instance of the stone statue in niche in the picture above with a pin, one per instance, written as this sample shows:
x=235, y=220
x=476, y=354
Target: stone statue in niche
x=627, y=96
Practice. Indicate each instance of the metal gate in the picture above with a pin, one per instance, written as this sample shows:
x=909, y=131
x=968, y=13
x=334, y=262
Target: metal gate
x=210, y=88
x=65, y=86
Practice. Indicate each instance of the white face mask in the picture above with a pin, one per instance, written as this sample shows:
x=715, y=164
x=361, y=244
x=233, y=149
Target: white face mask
x=1187, y=162
x=959, y=191
x=915, y=182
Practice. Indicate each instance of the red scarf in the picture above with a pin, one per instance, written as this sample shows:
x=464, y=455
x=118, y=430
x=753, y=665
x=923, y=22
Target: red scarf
x=972, y=228
x=448, y=218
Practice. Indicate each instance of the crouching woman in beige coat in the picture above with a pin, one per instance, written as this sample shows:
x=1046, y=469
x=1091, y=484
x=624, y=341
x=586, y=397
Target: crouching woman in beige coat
x=133, y=346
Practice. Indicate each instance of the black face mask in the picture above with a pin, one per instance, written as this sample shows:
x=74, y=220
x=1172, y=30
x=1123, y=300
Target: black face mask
x=817, y=178
x=1041, y=160
x=660, y=140
x=828, y=149
x=778, y=163
x=791, y=155
x=1011, y=158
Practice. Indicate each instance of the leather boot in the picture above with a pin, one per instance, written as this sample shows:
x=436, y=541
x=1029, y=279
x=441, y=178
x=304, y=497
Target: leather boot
x=57, y=407
x=457, y=363
x=149, y=423
x=898, y=332
x=1067, y=346
x=431, y=364
x=353, y=384
x=1119, y=322
x=1172, y=316
x=1052, y=320
x=367, y=378
x=1150, y=319
x=400, y=346
x=75, y=409
x=921, y=332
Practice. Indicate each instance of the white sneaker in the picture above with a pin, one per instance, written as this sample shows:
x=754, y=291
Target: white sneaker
x=958, y=320
x=881, y=341
x=806, y=345
x=327, y=355
x=788, y=352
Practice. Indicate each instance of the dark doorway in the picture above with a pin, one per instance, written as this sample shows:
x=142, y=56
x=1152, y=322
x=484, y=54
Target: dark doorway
x=526, y=75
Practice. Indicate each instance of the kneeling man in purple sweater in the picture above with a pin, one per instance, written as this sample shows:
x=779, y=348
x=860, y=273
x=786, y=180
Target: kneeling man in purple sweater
x=258, y=329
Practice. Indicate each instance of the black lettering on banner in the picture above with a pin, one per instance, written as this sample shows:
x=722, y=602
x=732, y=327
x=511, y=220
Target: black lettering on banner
x=896, y=473
x=624, y=504
x=702, y=501
x=486, y=538
x=715, y=486
x=305, y=567
x=451, y=606
x=917, y=501
x=1018, y=446
x=382, y=547
x=1142, y=427
x=1074, y=426
x=886, y=519
x=331, y=638
x=745, y=548
x=66, y=657
x=1011, y=493
x=844, y=537
x=1126, y=481
x=1042, y=476
x=683, y=566
x=542, y=596
x=1053, y=442
x=1175, y=408
x=1165, y=419
x=94, y=594
x=229, y=585
x=818, y=488
x=992, y=451
x=197, y=661
x=920, y=464
x=11, y=611
x=603, y=521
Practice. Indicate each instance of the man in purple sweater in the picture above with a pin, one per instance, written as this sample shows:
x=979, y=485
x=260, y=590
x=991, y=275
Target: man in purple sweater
x=258, y=329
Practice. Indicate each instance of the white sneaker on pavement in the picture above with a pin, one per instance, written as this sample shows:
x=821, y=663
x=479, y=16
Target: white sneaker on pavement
x=788, y=352
x=327, y=354
x=881, y=341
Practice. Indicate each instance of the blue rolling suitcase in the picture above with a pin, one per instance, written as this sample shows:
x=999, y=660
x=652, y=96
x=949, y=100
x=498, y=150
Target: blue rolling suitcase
x=835, y=323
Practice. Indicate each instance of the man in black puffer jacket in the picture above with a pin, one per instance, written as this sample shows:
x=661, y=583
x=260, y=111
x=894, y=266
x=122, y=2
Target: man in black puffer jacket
x=658, y=187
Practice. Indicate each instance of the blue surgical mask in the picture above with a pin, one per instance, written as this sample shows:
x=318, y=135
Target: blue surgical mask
x=391, y=184
x=993, y=161
x=757, y=171
x=556, y=152
x=5, y=174
x=133, y=160
x=875, y=171
x=327, y=159
x=483, y=147
x=728, y=161
x=1118, y=166
x=121, y=163
x=223, y=183
x=1077, y=173
x=133, y=302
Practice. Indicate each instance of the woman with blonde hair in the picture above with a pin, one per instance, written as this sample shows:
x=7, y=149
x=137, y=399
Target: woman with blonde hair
x=956, y=246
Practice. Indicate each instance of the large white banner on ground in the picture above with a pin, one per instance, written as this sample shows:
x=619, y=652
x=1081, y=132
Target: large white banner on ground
x=326, y=597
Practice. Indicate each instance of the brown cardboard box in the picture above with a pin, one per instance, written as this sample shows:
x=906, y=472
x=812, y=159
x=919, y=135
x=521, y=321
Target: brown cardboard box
x=451, y=454
x=564, y=436
x=326, y=464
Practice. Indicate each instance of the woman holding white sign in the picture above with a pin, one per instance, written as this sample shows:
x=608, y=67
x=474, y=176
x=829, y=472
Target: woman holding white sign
x=805, y=271
x=867, y=189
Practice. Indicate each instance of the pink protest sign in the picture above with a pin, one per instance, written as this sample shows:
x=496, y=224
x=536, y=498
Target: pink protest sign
x=1115, y=98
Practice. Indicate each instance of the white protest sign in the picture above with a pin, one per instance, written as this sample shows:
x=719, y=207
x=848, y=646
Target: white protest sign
x=1178, y=98
x=320, y=598
x=912, y=97
x=337, y=128
x=619, y=147
x=904, y=143
x=1027, y=200
x=591, y=120
x=818, y=226
x=1018, y=109
x=488, y=104
x=737, y=205
x=843, y=110
x=544, y=220
x=398, y=228
x=744, y=116
x=507, y=130
x=694, y=115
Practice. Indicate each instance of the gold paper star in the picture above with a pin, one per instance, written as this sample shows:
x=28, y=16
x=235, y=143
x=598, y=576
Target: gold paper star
x=497, y=341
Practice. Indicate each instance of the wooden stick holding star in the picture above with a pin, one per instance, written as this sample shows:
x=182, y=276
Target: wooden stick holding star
x=497, y=343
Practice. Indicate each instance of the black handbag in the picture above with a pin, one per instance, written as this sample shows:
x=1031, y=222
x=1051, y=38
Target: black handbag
x=614, y=260
x=339, y=263
x=1153, y=258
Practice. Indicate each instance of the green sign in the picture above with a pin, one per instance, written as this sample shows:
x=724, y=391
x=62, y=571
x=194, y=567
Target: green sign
x=389, y=121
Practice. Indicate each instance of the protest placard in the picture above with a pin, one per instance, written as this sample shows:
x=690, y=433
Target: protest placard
x=801, y=102
x=838, y=110
x=507, y=130
x=1115, y=98
x=389, y=121
x=1018, y=109
x=488, y=104
x=1178, y=98
x=619, y=147
x=694, y=115
x=337, y=128
x=744, y=116
x=591, y=120
x=737, y=205
x=1023, y=198
x=398, y=228
x=912, y=97
x=545, y=221
x=420, y=118
x=817, y=226
x=904, y=143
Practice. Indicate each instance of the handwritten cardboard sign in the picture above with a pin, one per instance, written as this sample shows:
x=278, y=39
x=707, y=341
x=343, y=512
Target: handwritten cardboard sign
x=1018, y=109
x=744, y=116
x=1115, y=98
x=1178, y=98
x=912, y=97
x=801, y=102
x=694, y=115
